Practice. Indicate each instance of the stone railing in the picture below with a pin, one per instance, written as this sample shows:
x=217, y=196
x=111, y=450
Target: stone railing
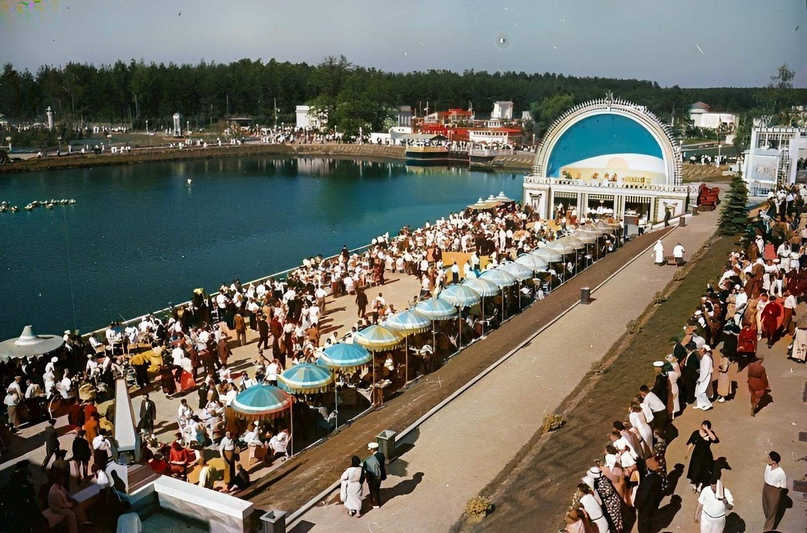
x=608, y=185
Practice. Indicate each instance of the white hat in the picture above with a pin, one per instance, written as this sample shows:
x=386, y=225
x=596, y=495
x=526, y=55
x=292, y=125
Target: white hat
x=737, y=286
x=372, y=446
x=594, y=472
x=54, y=360
x=707, y=347
x=658, y=364
x=67, y=332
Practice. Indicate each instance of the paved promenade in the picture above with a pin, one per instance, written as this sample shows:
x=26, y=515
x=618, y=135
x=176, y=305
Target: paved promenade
x=456, y=452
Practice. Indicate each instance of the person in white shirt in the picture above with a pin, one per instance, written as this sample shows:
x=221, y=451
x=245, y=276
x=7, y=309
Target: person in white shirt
x=678, y=254
x=773, y=490
x=713, y=503
x=592, y=508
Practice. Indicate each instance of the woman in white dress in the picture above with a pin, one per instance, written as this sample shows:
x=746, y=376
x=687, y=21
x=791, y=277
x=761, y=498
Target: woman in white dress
x=592, y=508
x=658, y=254
x=799, y=351
x=351, y=489
x=638, y=421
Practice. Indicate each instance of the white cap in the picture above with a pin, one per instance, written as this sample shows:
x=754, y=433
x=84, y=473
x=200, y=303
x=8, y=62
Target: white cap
x=372, y=446
x=658, y=364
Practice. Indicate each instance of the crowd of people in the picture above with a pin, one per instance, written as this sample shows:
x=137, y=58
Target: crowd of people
x=190, y=350
x=755, y=299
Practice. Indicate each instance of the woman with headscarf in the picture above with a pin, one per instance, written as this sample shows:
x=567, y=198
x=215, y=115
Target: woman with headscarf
x=351, y=487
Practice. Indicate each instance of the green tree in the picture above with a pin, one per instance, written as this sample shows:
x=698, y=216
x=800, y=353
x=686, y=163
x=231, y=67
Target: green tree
x=549, y=109
x=734, y=216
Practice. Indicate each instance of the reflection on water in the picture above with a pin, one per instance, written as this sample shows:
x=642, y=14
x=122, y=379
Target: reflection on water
x=139, y=236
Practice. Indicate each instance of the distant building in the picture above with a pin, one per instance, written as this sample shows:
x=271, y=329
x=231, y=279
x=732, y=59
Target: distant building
x=307, y=118
x=607, y=159
x=701, y=116
x=242, y=124
x=773, y=158
x=404, y=116
x=502, y=110
x=452, y=116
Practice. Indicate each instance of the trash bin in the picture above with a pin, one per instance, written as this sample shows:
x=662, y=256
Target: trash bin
x=274, y=521
x=386, y=443
x=585, y=295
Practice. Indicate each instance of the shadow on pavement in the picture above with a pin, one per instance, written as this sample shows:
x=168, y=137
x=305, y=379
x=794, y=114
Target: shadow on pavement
x=403, y=488
x=665, y=515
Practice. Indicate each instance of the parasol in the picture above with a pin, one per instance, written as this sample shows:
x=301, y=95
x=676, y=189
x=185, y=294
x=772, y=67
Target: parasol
x=28, y=345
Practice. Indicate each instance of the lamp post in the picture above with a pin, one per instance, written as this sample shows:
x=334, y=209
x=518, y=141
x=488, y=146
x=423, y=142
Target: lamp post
x=717, y=161
x=147, y=127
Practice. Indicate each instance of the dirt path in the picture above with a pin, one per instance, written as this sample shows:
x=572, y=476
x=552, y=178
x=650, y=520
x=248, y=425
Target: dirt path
x=310, y=473
x=537, y=486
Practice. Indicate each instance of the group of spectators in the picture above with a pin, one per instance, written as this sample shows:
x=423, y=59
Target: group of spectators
x=755, y=298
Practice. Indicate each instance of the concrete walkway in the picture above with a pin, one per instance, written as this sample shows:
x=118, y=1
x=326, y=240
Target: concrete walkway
x=454, y=454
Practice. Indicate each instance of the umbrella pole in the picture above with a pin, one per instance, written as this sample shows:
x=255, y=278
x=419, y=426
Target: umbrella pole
x=335, y=398
x=459, y=323
x=291, y=412
x=406, y=358
x=482, y=314
x=372, y=389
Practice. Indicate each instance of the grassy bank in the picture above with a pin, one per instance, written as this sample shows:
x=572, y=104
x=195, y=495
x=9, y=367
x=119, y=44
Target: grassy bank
x=537, y=485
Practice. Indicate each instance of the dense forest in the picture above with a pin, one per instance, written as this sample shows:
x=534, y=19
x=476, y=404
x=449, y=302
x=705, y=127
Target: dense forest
x=350, y=96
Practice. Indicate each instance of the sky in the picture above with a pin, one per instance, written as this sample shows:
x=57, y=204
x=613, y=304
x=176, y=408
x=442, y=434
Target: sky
x=690, y=43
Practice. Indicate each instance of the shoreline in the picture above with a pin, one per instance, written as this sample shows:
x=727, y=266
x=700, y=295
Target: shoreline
x=367, y=152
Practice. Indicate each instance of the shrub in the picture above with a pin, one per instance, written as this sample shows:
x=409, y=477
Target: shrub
x=478, y=508
x=553, y=422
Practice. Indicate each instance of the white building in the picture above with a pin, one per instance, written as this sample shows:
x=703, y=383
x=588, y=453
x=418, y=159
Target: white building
x=702, y=117
x=608, y=156
x=307, y=118
x=773, y=157
x=502, y=110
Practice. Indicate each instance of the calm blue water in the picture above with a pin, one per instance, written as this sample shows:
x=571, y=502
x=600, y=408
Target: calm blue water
x=139, y=237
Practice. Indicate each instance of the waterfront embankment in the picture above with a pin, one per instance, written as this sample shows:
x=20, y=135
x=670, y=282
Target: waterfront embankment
x=370, y=152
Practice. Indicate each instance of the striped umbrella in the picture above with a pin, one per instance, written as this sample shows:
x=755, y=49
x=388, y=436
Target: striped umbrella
x=261, y=401
x=499, y=277
x=407, y=322
x=562, y=246
x=307, y=378
x=484, y=287
x=533, y=262
x=344, y=356
x=517, y=270
x=459, y=296
x=548, y=254
x=377, y=338
x=436, y=309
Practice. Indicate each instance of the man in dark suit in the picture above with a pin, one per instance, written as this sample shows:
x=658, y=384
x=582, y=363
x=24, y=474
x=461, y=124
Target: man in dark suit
x=148, y=413
x=51, y=441
x=648, y=496
x=263, y=332
x=375, y=472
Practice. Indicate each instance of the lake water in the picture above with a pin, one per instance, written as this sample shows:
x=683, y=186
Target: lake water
x=139, y=237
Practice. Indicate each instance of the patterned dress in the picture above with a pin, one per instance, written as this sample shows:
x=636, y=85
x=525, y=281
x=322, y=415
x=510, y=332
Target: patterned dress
x=611, y=503
x=660, y=454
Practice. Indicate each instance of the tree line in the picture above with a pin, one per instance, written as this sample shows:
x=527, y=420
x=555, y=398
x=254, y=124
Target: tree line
x=351, y=96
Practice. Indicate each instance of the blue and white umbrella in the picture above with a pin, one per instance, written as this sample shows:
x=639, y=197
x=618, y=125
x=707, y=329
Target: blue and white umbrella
x=344, y=356
x=307, y=378
x=436, y=309
x=533, y=262
x=484, y=287
x=261, y=401
x=499, y=277
x=548, y=254
x=407, y=322
x=517, y=270
x=460, y=296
